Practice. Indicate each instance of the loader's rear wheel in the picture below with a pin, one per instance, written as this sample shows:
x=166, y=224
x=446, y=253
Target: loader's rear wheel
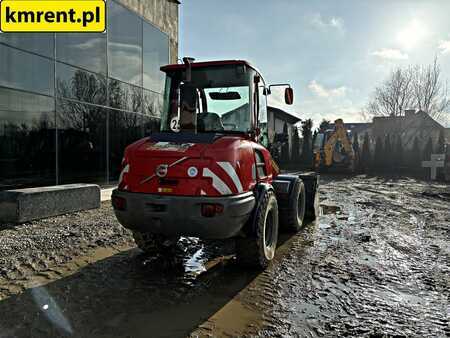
x=258, y=249
x=153, y=244
x=292, y=218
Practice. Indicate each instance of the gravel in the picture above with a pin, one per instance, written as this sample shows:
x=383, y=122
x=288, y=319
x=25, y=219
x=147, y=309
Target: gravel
x=30, y=248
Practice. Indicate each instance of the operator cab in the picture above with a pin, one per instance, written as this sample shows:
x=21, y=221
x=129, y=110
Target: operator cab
x=222, y=97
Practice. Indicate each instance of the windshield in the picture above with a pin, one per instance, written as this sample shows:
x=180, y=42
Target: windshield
x=217, y=99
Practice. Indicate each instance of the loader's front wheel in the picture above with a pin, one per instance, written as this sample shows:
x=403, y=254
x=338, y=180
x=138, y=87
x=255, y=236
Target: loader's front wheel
x=258, y=249
x=153, y=244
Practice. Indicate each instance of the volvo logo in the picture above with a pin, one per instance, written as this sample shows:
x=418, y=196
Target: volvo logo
x=161, y=170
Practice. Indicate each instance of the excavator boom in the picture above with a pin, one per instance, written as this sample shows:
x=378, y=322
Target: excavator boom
x=329, y=155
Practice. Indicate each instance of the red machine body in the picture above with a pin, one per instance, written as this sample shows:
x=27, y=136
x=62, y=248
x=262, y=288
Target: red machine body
x=224, y=165
x=228, y=166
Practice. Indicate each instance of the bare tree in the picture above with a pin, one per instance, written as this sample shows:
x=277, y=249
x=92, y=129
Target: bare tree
x=414, y=87
x=430, y=92
x=394, y=95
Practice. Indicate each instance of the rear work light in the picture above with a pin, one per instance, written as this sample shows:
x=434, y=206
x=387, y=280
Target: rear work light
x=211, y=210
x=119, y=203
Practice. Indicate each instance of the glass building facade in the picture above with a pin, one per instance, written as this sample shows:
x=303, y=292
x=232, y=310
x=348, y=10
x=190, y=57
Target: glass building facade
x=71, y=103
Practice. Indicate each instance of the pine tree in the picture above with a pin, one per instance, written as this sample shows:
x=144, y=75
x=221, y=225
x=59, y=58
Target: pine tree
x=314, y=138
x=440, y=149
x=356, y=149
x=398, y=153
x=379, y=154
x=356, y=144
x=387, y=160
x=428, y=150
x=295, y=145
x=415, y=156
x=324, y=125
x=441, y=143
x=285, y=156
x=365, y=159
x=307, y=153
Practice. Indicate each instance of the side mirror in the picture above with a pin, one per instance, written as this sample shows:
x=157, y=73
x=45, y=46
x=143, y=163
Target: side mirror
x=289, y=96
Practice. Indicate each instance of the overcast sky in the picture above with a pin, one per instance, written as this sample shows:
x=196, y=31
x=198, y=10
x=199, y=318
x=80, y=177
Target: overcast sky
x=333, y=52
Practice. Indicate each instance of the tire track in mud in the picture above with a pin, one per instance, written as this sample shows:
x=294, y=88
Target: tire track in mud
x=378, y=266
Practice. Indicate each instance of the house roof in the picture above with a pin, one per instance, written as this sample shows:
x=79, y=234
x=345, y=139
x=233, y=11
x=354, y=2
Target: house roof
x=284, y=115
x=419, y=119
x=410, y=126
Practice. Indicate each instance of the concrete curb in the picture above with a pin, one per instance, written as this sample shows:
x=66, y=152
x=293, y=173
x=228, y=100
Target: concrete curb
x=23, y=205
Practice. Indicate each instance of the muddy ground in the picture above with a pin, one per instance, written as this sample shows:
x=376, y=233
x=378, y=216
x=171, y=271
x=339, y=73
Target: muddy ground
x=375, y=264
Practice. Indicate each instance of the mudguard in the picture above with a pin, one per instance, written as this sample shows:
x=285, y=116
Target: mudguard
x=311, y=181
x=284, y=186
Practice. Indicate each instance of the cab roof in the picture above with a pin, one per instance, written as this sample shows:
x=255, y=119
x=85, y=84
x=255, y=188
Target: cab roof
x=182, y=66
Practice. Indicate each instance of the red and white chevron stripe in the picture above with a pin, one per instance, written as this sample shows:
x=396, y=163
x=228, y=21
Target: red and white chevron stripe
x=225, y=179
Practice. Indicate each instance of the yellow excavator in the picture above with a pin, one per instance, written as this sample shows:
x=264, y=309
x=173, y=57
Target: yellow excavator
x=333, y=149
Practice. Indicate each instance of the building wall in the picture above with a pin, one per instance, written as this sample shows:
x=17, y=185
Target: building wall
x=162, y=13
x=71, y=103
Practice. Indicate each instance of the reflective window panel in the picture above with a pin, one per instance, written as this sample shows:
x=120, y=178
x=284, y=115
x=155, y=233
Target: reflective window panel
x=27, y=140
x=81, y=85
x=156, y=54
x=85, y=50
x=124, y=129
x=125, y=96
x=40, y=43
x=152, y=103
x=81, y=142
x=26, y=71
x=124, y=44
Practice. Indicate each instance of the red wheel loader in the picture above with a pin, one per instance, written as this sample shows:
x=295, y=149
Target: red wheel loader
x=207, y=173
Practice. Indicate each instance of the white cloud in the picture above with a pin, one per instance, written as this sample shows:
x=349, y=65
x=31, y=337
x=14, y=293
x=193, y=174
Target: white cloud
x=321, y=91
x=444, y=46
x=319, y=109
x=335, y=105
x=390, y=54
x=335, y=23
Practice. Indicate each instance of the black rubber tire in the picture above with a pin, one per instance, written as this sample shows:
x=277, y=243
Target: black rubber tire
x=258, y=249
x=153, y=244
x=293, y=218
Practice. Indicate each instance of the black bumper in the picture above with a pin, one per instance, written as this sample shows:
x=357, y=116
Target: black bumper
x=181, y=215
